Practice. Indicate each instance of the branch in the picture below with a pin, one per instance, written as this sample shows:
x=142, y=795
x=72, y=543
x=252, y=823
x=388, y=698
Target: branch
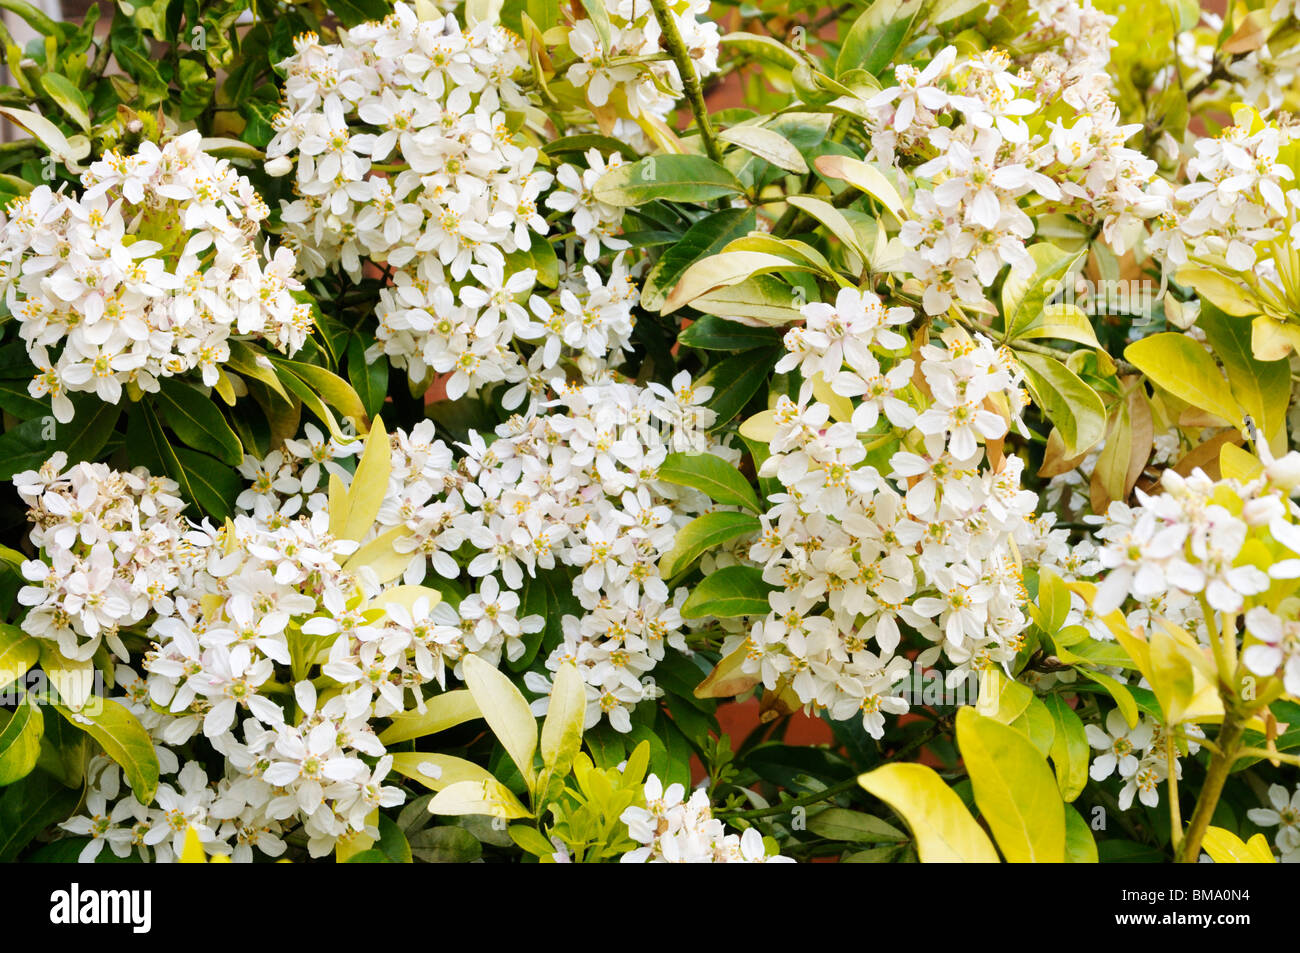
x=690, y=79
x=1228, y=740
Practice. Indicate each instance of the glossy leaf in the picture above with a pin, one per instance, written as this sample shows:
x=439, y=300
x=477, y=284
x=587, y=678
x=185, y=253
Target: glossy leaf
x=943, y=829
x=1014, y=789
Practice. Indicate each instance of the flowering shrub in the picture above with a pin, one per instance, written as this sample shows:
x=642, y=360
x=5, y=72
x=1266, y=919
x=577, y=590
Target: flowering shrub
x=443, y=431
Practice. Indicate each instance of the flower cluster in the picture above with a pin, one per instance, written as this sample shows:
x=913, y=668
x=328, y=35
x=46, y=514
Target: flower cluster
x=1235, y=201
x=236, y=618
x=975, y=122
x=116, y=550
x=868, y=534
x=405, y=154
x=677, y=831
x=1194, y=550
x=1137, y=755
x=147, y=274
x=571, y=494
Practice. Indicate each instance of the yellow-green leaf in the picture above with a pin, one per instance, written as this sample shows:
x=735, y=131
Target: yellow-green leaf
x=1070, y=748
x=1014, y=789
x=369, y=484
x=1080, y=847
x=864, y=177
x=18, y=653
x=489, y=797
x=1221, y=291
x=1066, y=400
x=1185, y=368
x=20, y=741
x=943, y=829
x=380, y=556
x=440, y=713
x=767, y=144
x=437, y=771
x=124, y=740
x=728, y=678
x=73, y=680
x=1225, y=847
x=506, y=712
x=565, y=715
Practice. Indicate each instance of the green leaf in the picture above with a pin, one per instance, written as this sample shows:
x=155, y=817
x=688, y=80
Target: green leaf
x=768, y=144
x=392, y=842
x=20, y=742
x=943, y=829
x=1262, y=388
x=876, y=36
x=445, y=845
x=763, y=48
x=337, y=392
x=548, y=594
x=23, y=448
x=1070, y=748
x=1023, y=298
x=354, y=12
x=1065, y=400
x=214, y=485
x=1185, y=368
x=440, y=713
x=711, y=333
x=729, y=592
x=29, y=807
x=1036, y=724
x=15, y=399
x=369, y=380
x=714, y=477
x=702, y=534
x=89, y=431
x=706, y=237
x=124, y=740
x=735, y=381
x=672, y=178
x=197, y=421
x=70, y=99
x=562, y=729
x=836, y=823
x=708, y=275
x=1014, y=789
x=579, y=144
x=1123, y=697
x=506, y=712
x=18, y=653
x=1080, y=847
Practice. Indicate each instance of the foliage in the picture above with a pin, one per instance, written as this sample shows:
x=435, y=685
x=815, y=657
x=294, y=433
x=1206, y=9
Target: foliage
x=427, y=422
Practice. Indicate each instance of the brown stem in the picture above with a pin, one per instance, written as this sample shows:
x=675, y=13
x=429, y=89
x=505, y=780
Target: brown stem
x=1228, y=741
